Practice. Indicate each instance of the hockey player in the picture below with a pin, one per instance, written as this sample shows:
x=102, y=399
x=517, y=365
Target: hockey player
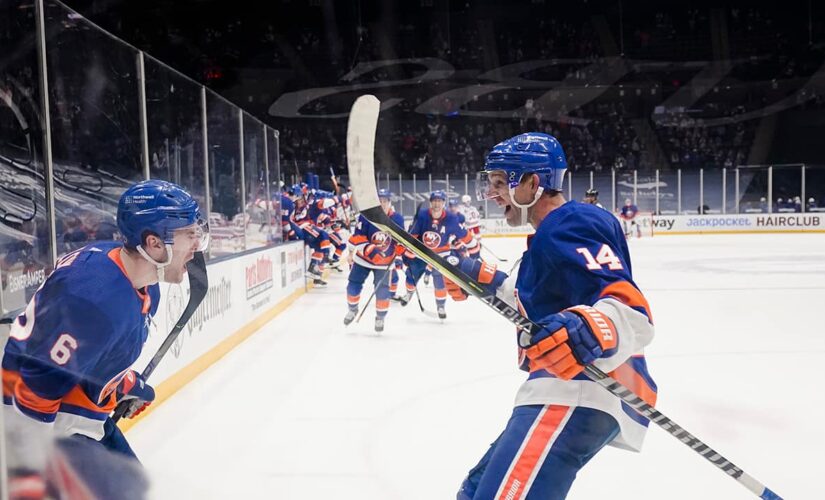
x=472, y=220
x=287, y=208
x=67, y=362
x=455, y=209
x=323, y=212
x=373, y=251
x=591, y=196
x=439, y=230
x=452, y=206
x=628, y=217
x=315, y=237
x=575, y=280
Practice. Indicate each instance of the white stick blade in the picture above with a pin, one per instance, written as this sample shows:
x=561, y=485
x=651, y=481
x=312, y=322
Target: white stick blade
x=363, y=119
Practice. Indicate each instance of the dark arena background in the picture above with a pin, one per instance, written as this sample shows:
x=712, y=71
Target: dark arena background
x=708, y=116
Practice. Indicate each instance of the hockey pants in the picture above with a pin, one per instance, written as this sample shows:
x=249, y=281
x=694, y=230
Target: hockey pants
x=539, y=453
x=357, y=275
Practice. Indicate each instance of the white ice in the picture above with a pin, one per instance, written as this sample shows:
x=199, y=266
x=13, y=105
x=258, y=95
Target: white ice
x=309, y=409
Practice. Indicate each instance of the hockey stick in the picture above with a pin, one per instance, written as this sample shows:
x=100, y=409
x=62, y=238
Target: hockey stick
x=198, y=286
x=361, y=127
x=375, y=289
x=421, y=305
x=483, y=247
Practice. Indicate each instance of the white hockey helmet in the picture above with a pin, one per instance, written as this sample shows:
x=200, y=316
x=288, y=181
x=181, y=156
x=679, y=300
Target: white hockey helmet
x=466, y=199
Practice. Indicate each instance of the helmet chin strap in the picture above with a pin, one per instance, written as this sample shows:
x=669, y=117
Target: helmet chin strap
x=161, y=266
x=523, y=208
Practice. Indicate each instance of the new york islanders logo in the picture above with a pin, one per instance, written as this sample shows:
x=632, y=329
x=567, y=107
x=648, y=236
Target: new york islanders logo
x=381, y=240
x=431, y=239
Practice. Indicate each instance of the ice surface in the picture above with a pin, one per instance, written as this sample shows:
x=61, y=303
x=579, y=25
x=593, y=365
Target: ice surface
x=310, y=409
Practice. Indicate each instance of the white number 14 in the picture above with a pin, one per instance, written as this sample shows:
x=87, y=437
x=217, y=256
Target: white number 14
x=605, y=256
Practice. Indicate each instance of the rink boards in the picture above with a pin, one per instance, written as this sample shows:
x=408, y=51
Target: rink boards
x=245, y=293
x=700, y=224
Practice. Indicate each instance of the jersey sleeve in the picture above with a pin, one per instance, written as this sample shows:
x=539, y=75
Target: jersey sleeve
x=59, y=341
x=595, y=262
x=419, y=223
x=359, y=237
x=463, y=238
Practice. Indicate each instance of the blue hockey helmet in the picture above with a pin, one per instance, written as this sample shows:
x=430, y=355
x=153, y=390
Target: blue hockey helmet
x=385, y=193
x=531, y=153
x=438, y=195
x=296, y=190
x=453, y=202
x=157, y=207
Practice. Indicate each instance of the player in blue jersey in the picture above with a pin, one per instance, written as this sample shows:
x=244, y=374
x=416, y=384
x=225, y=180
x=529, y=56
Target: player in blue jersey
x=439, y=230
x=287, y=207
x=372, y=251
x=574, y=279
x=452, y=206
x=628, y=217
x=316, y=238
x=68, y=359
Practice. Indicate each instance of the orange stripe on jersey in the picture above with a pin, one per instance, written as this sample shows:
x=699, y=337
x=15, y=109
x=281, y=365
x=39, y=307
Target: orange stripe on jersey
x=9, y=379
x=326, y=244
x=357, y=239
x=382, y=305
x=440, y=293
x=630, y=378
x=628, y=295
x=13, y=385
x=533, y=451
x=25, y=396
x=76, y=397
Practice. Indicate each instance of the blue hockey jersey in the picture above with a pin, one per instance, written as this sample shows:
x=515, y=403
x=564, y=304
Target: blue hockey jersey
x=79, y=335
x=578, y=256
x=440, y=234
x=372, y=247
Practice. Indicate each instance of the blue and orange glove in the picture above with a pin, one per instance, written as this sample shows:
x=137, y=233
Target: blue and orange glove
x=570, y=340
x=136, y=392
x=484, y=273
x=372, y=251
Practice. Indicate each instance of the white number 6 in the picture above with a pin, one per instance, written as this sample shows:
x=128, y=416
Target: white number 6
x=63, y=348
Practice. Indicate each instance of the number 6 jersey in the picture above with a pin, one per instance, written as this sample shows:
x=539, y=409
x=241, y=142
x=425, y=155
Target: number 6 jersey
x=79, y=335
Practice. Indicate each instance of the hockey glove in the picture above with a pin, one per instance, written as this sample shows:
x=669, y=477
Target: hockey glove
x=373, y=252
x=136, y=393
x=569, y=340
x=484, y=273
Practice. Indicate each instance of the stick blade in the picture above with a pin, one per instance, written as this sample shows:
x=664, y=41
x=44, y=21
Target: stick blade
x=363, y=120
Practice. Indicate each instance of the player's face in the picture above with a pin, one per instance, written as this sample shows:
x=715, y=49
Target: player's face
x=187, y=241
x=498, y=189
x=437, y=205
x=385, y=204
